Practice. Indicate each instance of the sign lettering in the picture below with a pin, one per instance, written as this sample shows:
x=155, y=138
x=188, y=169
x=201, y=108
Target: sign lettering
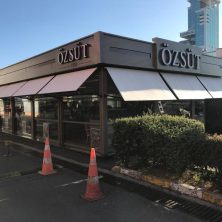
x=80, y=51
x=183, y=59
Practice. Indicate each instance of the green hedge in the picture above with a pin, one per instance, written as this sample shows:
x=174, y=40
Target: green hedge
x=210, y=161
x=162, y=141
x=168, y=142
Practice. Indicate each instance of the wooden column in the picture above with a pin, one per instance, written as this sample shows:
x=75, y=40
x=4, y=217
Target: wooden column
x=103, y=110
x=60, y=120
x=13, y=120
x=33, y=117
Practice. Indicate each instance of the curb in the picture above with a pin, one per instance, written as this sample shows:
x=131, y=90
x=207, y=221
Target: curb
x=182, y=188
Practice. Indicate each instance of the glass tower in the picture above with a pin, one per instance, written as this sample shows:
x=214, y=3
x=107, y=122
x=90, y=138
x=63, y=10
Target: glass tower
x=203, y=25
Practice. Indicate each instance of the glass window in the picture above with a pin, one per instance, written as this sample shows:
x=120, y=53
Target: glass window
x=199, y=110
x=90, y=86
x=81, y=108
x=81, y=120
x=5, y=115
x=46, y=108
x=118, y=108
x=181, y=108
x=52, y=126
x=111, y=87
x=82, y=134
x=23, y=117
x=46, y=112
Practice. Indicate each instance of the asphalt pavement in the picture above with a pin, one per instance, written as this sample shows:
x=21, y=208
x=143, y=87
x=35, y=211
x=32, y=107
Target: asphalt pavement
x=14, y=163
x=26, y=196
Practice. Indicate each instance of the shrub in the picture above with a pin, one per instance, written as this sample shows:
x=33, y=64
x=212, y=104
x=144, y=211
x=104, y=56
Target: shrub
x=161, y=141
x=211, y=159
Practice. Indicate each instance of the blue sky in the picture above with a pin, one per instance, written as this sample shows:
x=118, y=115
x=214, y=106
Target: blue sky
x=30, y=27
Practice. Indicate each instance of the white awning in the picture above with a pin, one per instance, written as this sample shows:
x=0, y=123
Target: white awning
x=213, y=85
x=186, y=86
x=2, y=89
x=9, y=90
x=67, y=82
x=137, y=85
x=32, y=86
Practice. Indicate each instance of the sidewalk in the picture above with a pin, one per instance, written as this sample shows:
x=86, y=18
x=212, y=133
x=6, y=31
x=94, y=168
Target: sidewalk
x=78, y=159
x=79, y=162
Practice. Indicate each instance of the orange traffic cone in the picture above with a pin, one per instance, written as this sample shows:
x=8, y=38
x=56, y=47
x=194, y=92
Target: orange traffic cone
x=93, y=189
x=47, y=167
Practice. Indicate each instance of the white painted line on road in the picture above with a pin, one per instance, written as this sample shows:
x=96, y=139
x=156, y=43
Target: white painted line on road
x=59, y=166
x=76, y=182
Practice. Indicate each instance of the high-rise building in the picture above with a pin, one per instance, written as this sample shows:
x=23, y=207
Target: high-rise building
x=203, y=25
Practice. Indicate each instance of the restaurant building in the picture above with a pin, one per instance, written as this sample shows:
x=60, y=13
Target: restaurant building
x=75, y=91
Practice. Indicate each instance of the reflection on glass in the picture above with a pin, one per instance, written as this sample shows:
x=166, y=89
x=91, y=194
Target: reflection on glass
x=81, y=120
x=81, y=108
x=23, y=117
x=179, y=108
x=199, y=110
x=76, y=133
x=46, y=111
x=118, y=108
x=53, y=129
x=46, y=108
x=82, y=134
x=5, y=115
x=90, y=86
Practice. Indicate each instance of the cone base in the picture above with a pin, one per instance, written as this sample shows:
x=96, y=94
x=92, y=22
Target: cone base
x=99, y=197
x=48, y=173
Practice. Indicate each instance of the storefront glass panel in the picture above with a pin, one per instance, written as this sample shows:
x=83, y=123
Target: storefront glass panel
x=46, y=112
x=52, y=126
x=5, y=116
x=23, y=117
x=81, y=134
x=118, y=108
x=199, y=110
x=81, y=108
x=178, y=108
x=81, y=120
